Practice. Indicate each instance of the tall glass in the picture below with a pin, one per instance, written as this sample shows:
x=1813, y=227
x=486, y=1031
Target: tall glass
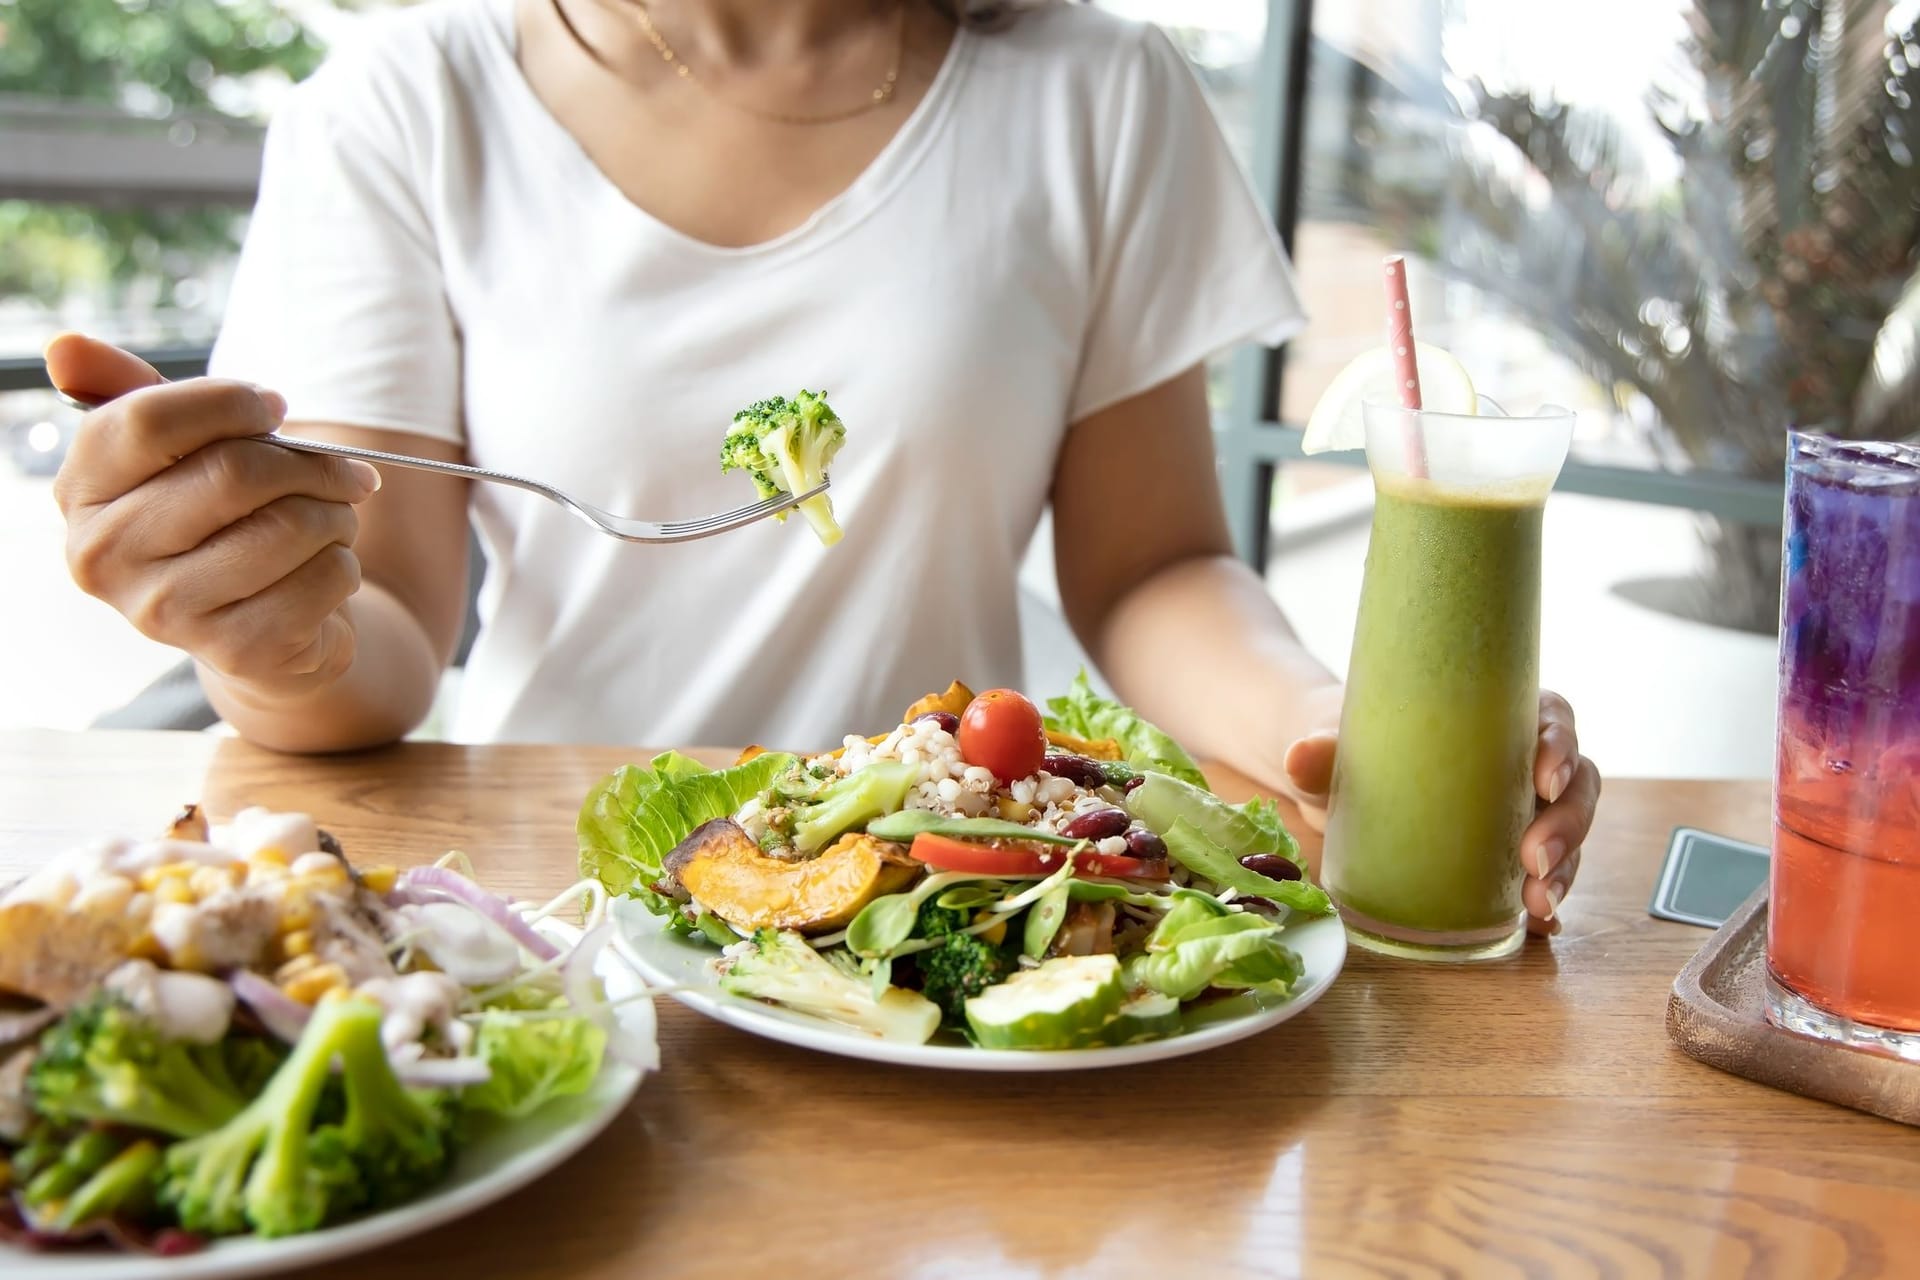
x=1433, y=781
x=1844, y=906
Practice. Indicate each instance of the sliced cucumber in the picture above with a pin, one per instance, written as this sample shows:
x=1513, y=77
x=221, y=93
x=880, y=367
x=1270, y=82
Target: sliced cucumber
x=1147, y=1016
x=1056, y=1006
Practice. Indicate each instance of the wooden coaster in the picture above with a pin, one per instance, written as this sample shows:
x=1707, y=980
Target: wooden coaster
x=1716, y=1014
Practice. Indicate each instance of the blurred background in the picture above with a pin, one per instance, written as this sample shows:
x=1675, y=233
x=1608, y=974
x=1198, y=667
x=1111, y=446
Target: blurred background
x=1693, y=221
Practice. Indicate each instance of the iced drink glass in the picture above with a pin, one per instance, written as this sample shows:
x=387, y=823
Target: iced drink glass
x=1433, y=780
x=1843, y=916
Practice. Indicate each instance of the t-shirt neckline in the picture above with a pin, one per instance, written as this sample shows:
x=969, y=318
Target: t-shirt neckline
x=870, y=189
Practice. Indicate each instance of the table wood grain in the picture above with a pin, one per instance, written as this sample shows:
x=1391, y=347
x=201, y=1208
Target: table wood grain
x=1527, y=1118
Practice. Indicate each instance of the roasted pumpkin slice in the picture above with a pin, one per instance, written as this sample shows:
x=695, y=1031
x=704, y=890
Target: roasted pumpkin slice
x=954, y=702
x=729, y=875
x=1091, y=748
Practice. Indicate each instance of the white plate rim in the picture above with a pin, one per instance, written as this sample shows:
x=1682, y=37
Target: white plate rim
x=1322, y=935
x=247, y=1256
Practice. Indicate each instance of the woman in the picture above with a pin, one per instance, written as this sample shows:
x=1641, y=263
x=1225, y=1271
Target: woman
x=568, y=238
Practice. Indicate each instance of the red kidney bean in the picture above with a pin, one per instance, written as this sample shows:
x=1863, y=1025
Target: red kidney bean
x=1134, y=783
x=1078, y=770
x=1096, y=824
x=1272, y=866
x=1142, y=843
x=945, y=719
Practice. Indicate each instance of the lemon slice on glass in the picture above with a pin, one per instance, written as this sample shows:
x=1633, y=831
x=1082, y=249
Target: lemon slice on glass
x=1336, y=423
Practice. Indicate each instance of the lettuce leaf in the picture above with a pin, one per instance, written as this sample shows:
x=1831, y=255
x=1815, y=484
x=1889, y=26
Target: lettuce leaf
x=1199, y=944
x=633, y=818
x=1255, y=827
x=1085, y=714
x=533, y=1061
x=1200, y=854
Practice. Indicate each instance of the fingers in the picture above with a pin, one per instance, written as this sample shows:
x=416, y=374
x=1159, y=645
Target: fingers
x=1562, y=827
x=224, y=483
x=94, y=370
x=257, y=551
x=293, y=627
x=123, y=444
x=1543, y=895
x=1309, y=764
x=1559, y=751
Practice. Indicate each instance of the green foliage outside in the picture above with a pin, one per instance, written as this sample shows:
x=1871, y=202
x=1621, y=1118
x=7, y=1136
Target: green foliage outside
x=153, y=57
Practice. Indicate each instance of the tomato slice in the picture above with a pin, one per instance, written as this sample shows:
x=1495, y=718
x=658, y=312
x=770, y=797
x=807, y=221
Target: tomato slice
x=1018, y=858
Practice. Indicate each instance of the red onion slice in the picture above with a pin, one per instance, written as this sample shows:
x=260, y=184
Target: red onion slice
x=462, y=890
x=278, y=1012
x=577, y=976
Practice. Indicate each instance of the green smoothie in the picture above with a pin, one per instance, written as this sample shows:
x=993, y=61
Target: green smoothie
x=1433, y=781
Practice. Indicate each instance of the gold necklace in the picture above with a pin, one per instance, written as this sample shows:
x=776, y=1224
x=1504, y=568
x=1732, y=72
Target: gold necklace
x=878, y=98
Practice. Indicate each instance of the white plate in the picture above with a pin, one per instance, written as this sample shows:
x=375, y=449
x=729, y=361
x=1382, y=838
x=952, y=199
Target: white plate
x=670, y=961
x=502, y=1161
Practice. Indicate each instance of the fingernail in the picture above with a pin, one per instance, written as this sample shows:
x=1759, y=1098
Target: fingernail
x=1555, y=892
x=366, y=473
x=276, y=404
x=1560, y=781
x=1551, y=852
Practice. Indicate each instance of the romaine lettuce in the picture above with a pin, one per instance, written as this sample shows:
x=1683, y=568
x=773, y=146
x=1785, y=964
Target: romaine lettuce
x=1085, y=714
x=635, y=816
x=533, y=1060
x=1199, y=944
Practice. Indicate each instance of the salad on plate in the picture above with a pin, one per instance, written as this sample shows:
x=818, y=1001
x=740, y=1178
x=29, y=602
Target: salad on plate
x=232, y=1030
x=983, y=872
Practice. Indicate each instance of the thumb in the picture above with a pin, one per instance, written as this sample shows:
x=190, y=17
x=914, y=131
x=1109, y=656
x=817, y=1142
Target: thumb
x=1309, y=764
x=88, y=368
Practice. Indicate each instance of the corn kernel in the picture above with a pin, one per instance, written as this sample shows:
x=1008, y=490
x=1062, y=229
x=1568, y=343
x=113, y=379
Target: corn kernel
x=270, y=855
x=153, y=877
x=293, y=968
x=379, y=879
x=296, y=908
x=1013, y=811
x=322, y=870
x=186, y=956
x=210, y=881
x=146, y=947
x=316, y=982
x=173, y=889
x=297, y=943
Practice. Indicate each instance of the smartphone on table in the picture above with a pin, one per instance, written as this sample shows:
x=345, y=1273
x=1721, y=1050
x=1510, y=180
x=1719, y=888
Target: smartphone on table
x=1706, y=877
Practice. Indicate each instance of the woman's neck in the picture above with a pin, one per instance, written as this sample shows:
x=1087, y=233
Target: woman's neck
x=740, y=35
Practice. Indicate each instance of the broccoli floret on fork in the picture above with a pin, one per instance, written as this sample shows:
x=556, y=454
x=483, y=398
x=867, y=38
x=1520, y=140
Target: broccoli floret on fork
x=785, y=446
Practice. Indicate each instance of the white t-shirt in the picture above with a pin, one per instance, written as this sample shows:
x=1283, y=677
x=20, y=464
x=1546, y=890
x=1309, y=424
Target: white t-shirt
x=1059, y=226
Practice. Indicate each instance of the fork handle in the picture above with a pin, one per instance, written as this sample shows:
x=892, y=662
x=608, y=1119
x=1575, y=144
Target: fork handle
x=300, y=444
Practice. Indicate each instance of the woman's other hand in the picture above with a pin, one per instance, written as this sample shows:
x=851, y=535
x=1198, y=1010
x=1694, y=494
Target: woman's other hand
x=1567, y=783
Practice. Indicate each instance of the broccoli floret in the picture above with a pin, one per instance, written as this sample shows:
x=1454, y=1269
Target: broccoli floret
x=54, y=1167
x=785, y=446
x=962, y=966
x=784, y=968
x=103, y=1062
x=122, y=1187
x=936, y=921
x=852, y=802
x=273, y=1170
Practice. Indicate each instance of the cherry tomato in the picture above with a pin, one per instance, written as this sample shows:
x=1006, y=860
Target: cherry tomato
x=1017, y=858
x=1001, y=732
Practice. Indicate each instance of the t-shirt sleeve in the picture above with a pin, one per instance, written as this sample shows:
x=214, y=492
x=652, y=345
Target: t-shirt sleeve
x=338, y=301
x=1186, y=262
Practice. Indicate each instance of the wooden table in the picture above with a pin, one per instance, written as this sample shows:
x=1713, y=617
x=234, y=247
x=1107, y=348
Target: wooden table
x=1527, y=1118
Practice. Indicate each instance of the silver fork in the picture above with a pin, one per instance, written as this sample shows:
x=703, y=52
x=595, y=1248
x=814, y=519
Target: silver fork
x=625, y=528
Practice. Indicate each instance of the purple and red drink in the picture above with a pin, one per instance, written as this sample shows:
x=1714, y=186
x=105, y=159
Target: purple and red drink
x=1843, y=942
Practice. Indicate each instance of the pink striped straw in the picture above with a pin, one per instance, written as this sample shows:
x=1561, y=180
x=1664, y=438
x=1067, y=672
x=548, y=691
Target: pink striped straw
x=1406, y=370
